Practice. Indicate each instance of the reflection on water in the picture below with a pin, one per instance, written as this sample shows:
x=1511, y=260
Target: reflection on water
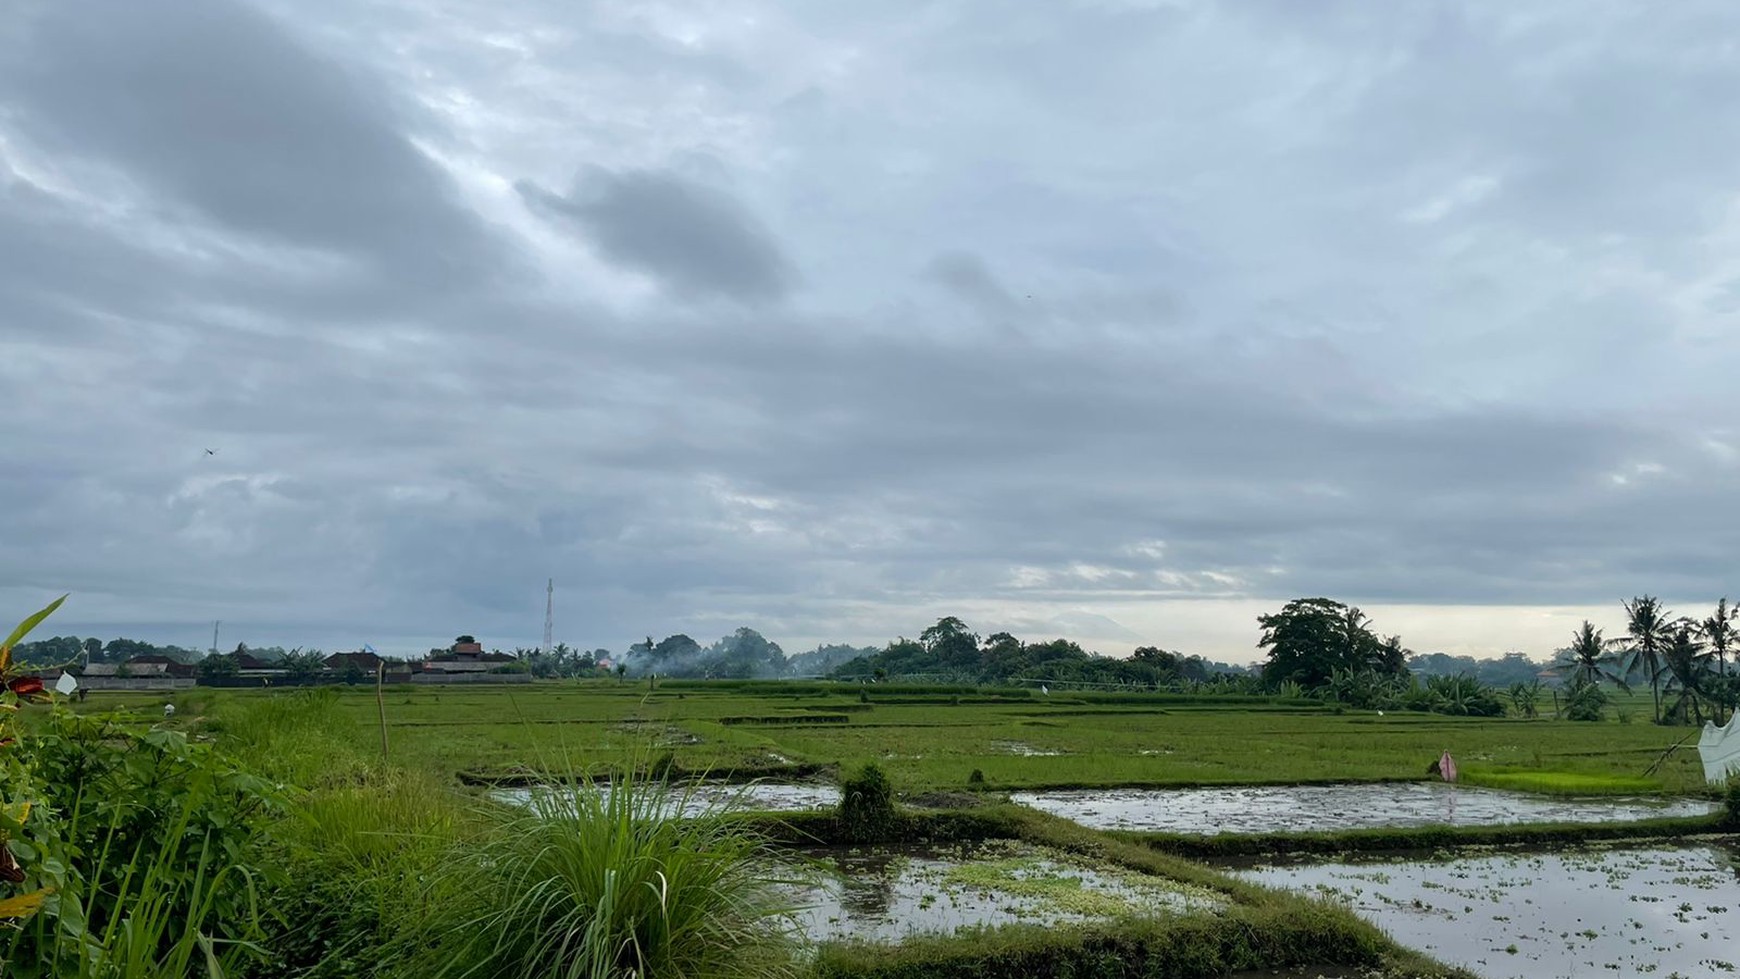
x=1662, y=911
x=888, y=893
x=1278, y=808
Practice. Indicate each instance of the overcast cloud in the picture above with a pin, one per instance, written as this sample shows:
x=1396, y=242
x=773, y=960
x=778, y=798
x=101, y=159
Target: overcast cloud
x=1122, y=321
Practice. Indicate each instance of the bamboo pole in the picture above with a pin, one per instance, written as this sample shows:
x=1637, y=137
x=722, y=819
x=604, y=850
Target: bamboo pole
x=381, y=704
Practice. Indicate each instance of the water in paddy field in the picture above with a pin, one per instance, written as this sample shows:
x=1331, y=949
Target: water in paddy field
x=701, y=798
x=887, y=893
x=1290, y=808
x=1659, y=911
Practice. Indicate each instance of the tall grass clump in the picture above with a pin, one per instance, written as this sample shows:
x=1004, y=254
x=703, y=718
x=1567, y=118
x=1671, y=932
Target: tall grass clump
x=361, y=860
x=301, y=736
x=598, y=882
x=867, y=813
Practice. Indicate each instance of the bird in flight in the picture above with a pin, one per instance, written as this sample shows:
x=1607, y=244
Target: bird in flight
x=211, y=452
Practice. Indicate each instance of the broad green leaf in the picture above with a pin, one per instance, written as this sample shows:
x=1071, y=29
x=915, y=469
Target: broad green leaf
x=24, y=630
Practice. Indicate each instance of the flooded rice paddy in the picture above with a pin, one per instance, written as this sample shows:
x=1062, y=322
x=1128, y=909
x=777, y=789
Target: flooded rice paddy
x=702, y=798
x=1658, y=911
x=889, y=893
x=1297, y=808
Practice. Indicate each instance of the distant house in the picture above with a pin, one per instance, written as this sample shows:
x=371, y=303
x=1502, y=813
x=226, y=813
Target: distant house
x=139, y=666
x=248, y=664
x=158, y=665
x=342, y=664
x=466, y=657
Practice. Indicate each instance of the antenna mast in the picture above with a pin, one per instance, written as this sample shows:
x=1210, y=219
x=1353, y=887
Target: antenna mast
x=549, y=614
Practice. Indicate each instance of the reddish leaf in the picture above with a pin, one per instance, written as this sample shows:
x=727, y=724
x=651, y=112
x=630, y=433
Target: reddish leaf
x=26, y=686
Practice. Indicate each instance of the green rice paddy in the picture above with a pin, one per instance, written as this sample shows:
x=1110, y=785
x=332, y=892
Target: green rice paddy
x=931, y=739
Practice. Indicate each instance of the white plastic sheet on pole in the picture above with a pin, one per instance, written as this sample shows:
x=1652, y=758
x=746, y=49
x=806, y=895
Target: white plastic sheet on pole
x=1719, y=747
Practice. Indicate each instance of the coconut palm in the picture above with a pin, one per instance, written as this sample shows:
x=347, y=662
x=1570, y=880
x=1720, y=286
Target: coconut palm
x=1648, y=633
x=1589, y=658
x=1718, y=630
x=1687, y=664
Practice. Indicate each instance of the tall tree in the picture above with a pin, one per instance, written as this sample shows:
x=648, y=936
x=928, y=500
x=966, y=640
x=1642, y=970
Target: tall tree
x=1687, y=664
x=1311, y=638
x=1392, y=656
x=951, y=643
x=1647, y=635
x=1590, y=659
x=1718, y=630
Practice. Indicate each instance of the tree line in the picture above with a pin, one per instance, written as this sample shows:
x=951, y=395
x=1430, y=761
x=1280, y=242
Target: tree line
x=1323, y=648
x=952, y=652
x=1683, y=659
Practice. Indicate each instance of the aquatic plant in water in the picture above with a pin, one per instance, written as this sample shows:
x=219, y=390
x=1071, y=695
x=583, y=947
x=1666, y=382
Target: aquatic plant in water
x=866, y=806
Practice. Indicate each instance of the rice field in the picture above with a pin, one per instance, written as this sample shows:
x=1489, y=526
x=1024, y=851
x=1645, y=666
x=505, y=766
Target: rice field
x=930, y=739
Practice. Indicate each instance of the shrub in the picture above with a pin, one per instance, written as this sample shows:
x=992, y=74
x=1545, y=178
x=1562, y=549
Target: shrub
x=866, y=806
x=151, y=844
x=604, y=883
x=977, y=777
x=1733, y=800
x=129, y=846
x=1584, y=700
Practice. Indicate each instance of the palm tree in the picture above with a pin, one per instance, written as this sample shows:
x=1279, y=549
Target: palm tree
x=1589, y=659
x=1688, y=663
x=1719, y=631
x=1647, y=635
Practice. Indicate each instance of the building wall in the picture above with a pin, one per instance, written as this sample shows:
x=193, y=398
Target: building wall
x=136, y=682
x=471, y=678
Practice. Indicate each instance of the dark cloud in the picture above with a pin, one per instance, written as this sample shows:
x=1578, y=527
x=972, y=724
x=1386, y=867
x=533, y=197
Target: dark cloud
x=695, y=240
x=1420, y=308
x=218, y=109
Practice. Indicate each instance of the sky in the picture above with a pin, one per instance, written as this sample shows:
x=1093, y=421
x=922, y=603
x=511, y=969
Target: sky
x=1121, y=321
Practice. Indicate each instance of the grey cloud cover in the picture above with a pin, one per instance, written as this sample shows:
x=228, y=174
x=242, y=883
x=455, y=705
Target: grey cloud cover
x=694, y=239
x=1118, y=320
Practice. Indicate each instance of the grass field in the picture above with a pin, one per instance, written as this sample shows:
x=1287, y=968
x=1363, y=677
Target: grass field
x=936, y=738
x=388, y=868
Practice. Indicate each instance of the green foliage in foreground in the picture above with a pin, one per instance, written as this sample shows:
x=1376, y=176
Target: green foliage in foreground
x=128, y=851
x=604, y=883
x=146, y=838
